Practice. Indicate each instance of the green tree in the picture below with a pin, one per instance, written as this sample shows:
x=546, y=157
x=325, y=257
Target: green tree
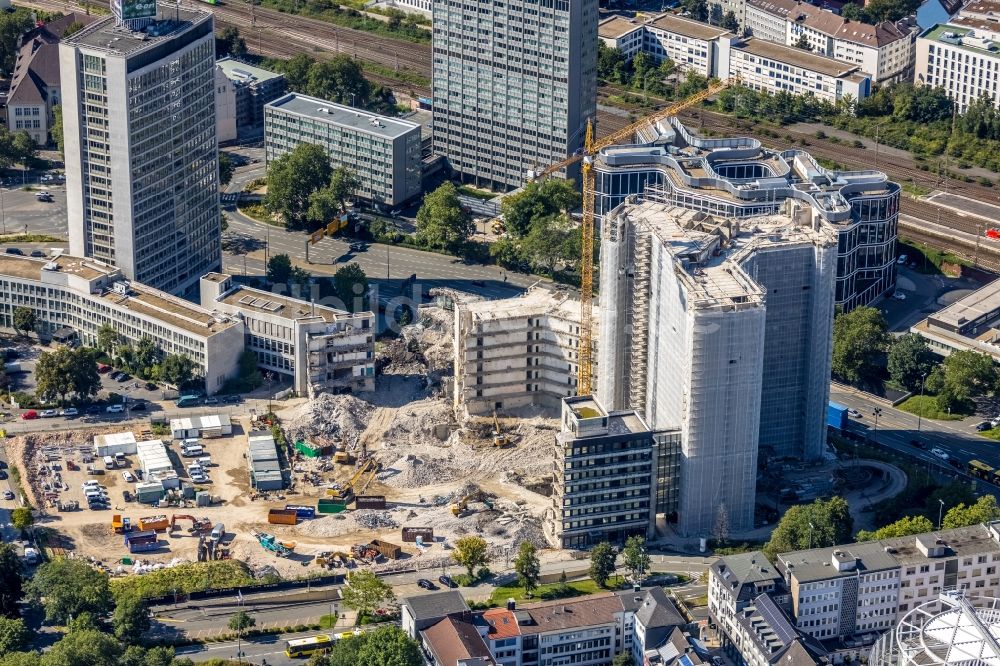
x=549, y=241
x=340, y=80
x=24, y=319
x=323, y=207
x=343, y=184
x=72, y=29
x=602, y=563
x=697, y=8
x=538, y=200
x=131, y=618
x=818, y=525
x=442, y=223
x=803, y=43
x=67, y=588
x=21, y=659
x=146, y=354
x=903, y=527
x=612, y=65
x=107, y=338
x=635, y=558
x=967, y=374
x=279, y=269
x=470, y=552
x=365, y=592
x=983, y=511
x=851, y=11
x=293, y=178
x=177, y=369
x=623, y=659
x=14, y=636
x=226, y=168
x=527, y=566
x=52, y=377
x=296, y=71
x=228, y=42
x=910, y=358
x=22, y=518
x=24, y=147
x=88, y=647
x=56, y=131
x=389, y=646
x=11, y=581
x=350, y=283
x=85, y=382
x=13, y=24
x=730, y=22
x=860, y=338
x=241, y=621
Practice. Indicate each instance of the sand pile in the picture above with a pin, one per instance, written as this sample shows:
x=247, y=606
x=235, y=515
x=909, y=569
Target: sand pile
x=411, y=471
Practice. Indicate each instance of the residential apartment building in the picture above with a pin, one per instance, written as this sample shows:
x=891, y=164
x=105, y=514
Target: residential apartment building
x=383, y=152
x=692, y=45
x=34, y=83
x=587, y=630
x=608, y=471
x=625, y=34
x=142, y=159
x=737, y=178
x=968, y=324
x=76, y=296
x=763, y=636
x=514, y=85
x=517, y=351
x=249, y=89
x=960, y=59
x=774, y=68
x=696, y=319
x=885, y=51
x=318, y=347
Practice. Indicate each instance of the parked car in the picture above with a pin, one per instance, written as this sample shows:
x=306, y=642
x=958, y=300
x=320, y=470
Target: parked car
x=138, y=406
x=447, y=581
x=43, y=196
x=38, y=254
x=7, y=495
x=211, y=401
x=939, y=453
x=199, y=478
x=151, y=386
x=69, y=411
x=115, y=374
x=123, y=377
x=983, y=425
x=426, y=584
x=14, y=250
x=48, y=413
x=103, y=368
x=994, y=422
x=29, y=415
x=115, y=409
x=855, y=413
x=902, y=259
x=94, y=409
x=128, y=477
x=899, y=296
x=3, y=474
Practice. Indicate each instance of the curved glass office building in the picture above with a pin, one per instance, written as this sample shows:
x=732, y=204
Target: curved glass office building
x=739, y=178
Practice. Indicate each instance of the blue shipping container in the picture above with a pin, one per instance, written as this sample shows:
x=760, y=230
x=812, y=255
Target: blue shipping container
x=137, y=537
x=302, y=511
x=836, y=416
x=143, y=547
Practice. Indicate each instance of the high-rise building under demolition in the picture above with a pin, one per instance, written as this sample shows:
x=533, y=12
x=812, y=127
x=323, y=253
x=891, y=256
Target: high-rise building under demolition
x=514, y=85
x=721, y=328
x=738, y=178
x=142, y=172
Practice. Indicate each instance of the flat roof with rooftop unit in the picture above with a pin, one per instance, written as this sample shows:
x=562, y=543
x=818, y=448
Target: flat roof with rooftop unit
x=107, y=37
x=343, y=116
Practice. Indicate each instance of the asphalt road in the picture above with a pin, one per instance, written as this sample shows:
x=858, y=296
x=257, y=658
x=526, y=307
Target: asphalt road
x=7, y=531
x=896, y=429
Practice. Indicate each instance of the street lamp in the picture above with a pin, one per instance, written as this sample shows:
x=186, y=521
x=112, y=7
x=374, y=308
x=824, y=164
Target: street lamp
x=811, y=528
x=940, y=512
x=877, y=412
x=923, y=376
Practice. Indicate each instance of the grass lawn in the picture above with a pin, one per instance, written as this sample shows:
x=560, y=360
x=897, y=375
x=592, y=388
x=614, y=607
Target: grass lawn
x=926, y=406
x=485, y=195
x=31, y=238
x=992, y=433
x=577, y=588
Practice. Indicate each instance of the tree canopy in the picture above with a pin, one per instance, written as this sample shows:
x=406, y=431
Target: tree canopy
x=818, y=525
x=66, y=588
x=24, y=320
x=860, y=337
x=635, y=558
x=903, y=527
x=14, y=635
x=602, y=563
x=965, y=374
x=365, y=592
x=910, y=359
x=293, y=178
x=442, y=222
x=470, y=552
x=537, y=200
x=527, y=566
x=11, y=581
x=351, y=284
x=13, y=24
x=984, y=510
x=229, y=42
x=66, y=372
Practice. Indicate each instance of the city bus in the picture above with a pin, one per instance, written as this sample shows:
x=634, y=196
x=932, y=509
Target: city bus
x=980, y=470
x=304, y=647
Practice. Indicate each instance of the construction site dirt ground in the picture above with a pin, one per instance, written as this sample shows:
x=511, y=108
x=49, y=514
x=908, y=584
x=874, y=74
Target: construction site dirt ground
x=428, y=462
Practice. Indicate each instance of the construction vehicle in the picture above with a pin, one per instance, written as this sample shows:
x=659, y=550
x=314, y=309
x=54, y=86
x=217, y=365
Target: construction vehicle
x=460, y=507
x=346, y=492
x=373, y=469
x=271, y=543
x=342, y=458
x=71, y=505
x=197, y=524
x=591, y=147
x=499, y=438
x=116, y=523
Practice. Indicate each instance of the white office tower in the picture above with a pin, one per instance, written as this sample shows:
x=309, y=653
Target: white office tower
x=142, y=173
x=514, y=84
x=689, y=340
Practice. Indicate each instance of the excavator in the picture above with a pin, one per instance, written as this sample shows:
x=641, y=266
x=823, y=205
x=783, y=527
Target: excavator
x=373, y=469
x=346, y=492
x=499, y=438
x=197, y=524
x=460, y=507
x=271, y=543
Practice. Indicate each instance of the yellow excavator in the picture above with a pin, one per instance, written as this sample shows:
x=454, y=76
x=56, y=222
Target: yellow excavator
x=499, y=438
x=346, y=492
x=460, y=507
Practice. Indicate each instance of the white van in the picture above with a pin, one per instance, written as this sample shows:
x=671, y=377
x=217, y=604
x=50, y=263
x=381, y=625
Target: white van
x=205, y=461
x=192, y=451
x=93, y=494
x=109, y=462
x=120, y=459
x=90, y=483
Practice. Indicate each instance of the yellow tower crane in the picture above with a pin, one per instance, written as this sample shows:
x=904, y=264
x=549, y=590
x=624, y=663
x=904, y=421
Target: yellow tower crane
x=590, y=149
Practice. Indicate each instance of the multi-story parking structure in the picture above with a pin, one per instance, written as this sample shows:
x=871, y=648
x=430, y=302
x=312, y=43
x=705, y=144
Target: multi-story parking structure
x=738, y=178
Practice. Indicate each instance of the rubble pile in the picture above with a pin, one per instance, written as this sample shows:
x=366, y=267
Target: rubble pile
x=375, y=520
x=329, y=417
